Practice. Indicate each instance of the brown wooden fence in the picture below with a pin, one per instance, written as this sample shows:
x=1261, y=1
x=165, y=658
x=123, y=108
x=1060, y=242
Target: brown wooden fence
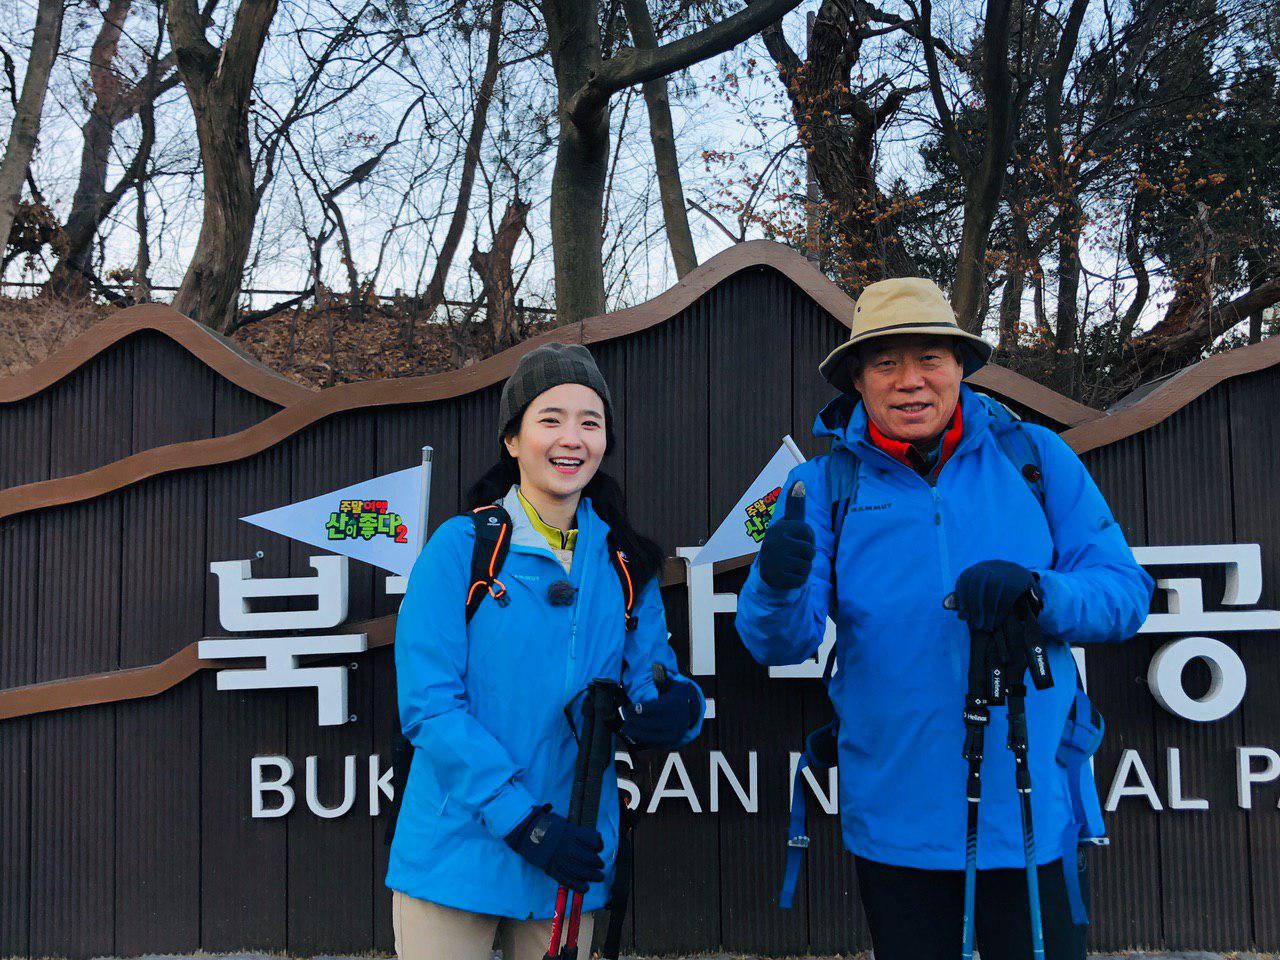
x=126, y=460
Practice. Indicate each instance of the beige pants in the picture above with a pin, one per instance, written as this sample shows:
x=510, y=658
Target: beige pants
x=428, y=931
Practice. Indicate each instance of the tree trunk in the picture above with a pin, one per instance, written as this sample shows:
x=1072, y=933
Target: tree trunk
x=219, y=84
x=1066, y=328
x=1142, y=280
x=1011, y=305
x=984, y=183
x=582, y=156
x=1189, y=326
x=504, y=322
x=584, y=85
x=26, y=121
x=675, y=214
x=839, y=136
x=82, y=221
x=113, y=103
x=470, y=159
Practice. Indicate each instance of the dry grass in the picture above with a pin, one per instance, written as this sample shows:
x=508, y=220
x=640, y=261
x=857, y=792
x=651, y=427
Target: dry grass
x=32, y=329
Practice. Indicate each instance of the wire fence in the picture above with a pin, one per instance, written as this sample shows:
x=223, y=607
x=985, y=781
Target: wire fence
x=397, y=297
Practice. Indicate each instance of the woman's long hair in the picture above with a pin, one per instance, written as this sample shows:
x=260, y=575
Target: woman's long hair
x=644, y=556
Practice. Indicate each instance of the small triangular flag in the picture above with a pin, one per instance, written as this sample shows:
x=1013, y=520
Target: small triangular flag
x=740, y=533
x=376, y=520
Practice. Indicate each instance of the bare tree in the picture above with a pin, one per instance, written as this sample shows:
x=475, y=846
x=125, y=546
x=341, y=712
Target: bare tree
x=26, y=122
x=219, y=82
x=662, y=135
x=504, y=321
x=114, y=101
x=839, y=121
x=585, y=82
x=984, y=176
x=434, y=294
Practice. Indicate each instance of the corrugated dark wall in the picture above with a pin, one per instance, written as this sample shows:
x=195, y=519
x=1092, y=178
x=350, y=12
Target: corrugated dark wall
x=90, y=417
x=125, y=829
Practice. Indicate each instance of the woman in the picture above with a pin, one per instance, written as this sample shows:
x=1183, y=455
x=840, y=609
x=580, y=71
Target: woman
x=482, y=843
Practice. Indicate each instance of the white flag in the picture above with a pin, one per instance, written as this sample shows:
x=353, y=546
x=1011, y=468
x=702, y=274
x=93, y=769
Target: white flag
x=376, y=521
x=740, y=533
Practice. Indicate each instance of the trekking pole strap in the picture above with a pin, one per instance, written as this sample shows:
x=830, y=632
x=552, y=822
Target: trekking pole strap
x=798, y=840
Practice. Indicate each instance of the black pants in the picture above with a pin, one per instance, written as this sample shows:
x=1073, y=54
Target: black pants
x=919, y=914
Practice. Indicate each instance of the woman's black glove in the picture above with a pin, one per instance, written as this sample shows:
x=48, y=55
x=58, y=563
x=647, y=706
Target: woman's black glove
x=661, y=723
x=786, y=555
x=987, y=593
x=570, y=855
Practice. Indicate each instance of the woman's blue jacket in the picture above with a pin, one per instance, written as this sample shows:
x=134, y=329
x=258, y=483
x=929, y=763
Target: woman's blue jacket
x=902, y=659
x=483, y=705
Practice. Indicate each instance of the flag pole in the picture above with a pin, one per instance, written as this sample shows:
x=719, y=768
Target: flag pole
x=425, y=499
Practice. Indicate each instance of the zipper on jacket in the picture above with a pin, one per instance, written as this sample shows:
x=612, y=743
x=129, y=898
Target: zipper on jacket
x=581, y=553
x=944, y=557
x=944, y=560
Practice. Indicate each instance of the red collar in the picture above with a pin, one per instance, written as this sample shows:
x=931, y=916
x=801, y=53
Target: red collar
x=903, y=452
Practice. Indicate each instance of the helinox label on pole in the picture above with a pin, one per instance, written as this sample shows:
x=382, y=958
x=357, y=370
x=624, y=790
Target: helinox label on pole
x=377, y=521
x=740, y=533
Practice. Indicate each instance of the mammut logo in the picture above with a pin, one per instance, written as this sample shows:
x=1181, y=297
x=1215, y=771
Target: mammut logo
x=493, y=521
x=870, y=506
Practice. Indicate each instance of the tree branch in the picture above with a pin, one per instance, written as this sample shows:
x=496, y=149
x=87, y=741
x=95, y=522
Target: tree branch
x=246, y=317
x=949, y=132
x=631, y=66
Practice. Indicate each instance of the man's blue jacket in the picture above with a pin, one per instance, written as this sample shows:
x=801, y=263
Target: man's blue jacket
x=483, y=705
x=902, y=659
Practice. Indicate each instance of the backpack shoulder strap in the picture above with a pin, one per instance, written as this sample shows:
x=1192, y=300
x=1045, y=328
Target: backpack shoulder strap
x=493, y=540
x=621, y=566
x=1017, y=447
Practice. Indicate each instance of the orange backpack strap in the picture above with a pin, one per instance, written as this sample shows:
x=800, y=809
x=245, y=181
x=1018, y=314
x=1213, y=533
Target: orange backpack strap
x=493, y=540
x=621, y=566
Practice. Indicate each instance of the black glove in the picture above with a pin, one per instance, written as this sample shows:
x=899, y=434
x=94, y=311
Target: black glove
x=662, y=722
x=786, y=555
x=987, y=593
x=570, y=855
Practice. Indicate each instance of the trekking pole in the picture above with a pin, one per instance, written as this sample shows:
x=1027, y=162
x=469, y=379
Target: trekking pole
x=603, y=698
x=1033, y=658
x=580, y=765
x=595, y=751
x=976, y=717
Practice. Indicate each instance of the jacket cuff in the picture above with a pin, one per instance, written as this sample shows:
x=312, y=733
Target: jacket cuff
x=504, y=812
x=1053, y=594
x=774, y=598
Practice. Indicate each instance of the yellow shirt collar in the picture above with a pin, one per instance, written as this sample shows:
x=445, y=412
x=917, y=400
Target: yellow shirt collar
x=556, y=538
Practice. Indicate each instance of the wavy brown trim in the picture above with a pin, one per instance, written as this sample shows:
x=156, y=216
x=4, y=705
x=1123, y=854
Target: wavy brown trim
x=1174, y=394
x=1006, y=383
x=137, y=683
x=414, y=390
x=216, y=352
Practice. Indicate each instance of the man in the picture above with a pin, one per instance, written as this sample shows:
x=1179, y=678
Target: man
x=917, y=530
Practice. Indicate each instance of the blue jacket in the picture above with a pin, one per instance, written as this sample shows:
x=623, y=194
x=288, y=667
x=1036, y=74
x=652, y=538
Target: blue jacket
x=902, y=659
x=483, y=705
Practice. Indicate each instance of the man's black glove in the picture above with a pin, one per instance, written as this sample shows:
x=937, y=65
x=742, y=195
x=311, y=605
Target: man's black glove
x=786, y=555
x=570, y=855
x=661, y=723
x=987, y=593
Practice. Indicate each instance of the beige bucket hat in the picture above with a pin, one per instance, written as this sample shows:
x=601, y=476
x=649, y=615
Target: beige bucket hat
x=889, y=308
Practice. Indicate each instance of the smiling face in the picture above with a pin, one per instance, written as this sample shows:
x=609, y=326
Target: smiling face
x=560, y=443
x=910, y=385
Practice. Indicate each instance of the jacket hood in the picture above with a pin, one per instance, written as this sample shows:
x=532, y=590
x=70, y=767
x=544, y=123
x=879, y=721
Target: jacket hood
x=844, y=419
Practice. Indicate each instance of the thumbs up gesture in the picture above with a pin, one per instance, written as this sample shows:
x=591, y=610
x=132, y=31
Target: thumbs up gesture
x=786, y=555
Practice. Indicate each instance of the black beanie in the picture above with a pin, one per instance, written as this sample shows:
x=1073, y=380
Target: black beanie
x=549, y=366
